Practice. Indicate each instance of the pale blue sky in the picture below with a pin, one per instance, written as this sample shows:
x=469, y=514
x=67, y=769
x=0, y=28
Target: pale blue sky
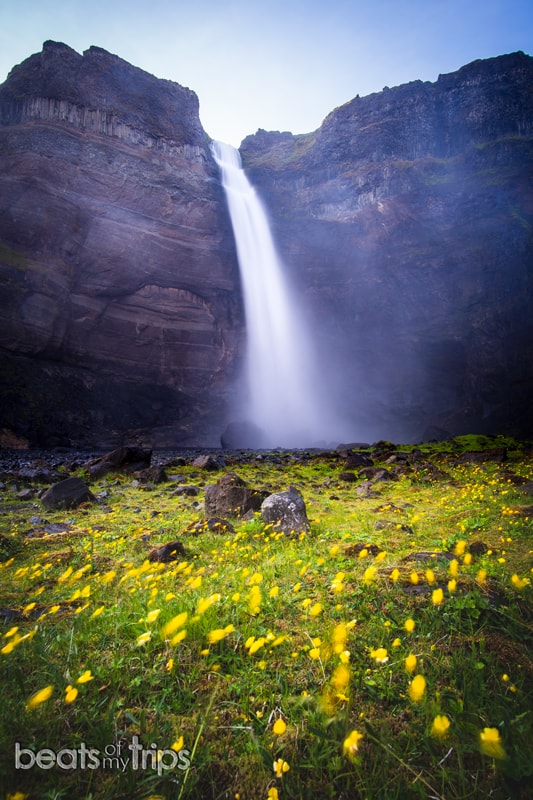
x=274, y=64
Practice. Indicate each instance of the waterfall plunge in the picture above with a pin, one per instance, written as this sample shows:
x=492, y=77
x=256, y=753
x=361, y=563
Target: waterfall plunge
x=282, y=378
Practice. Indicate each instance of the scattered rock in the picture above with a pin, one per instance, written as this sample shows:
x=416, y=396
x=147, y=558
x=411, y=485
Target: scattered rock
x=51, y=528
x=377, y=474
x=130, y=459
x=349, y=477
x=170, y=551
x=186, y=491
x=355, y=549
x=354, y=460
x=478, y=548
x=496, y=454
x=69, y=493
x=208, y=463
x=213, y=524
x=286, y=512
x=388, y=507
x=365, y=489
x=231, y=497
x=155, y=474
x=384, y=524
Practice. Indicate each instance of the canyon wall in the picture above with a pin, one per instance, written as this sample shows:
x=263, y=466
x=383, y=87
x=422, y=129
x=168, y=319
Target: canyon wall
x=120, y=309
x=404, y=221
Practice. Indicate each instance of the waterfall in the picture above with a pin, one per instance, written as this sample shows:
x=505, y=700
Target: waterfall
x=282, y=379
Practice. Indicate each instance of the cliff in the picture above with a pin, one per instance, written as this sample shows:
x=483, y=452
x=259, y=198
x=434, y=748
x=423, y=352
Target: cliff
x=119, y=302
x=405, y=222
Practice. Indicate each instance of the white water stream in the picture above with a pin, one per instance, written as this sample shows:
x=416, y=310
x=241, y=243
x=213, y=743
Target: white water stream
x=282, y=378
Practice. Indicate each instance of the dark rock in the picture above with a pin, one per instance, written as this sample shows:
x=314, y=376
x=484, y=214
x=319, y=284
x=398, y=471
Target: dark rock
x=377, y=474
x=527, y=488
x=349, y=477
x=51, y=529
x=231, y=497
x=286, y=512
x=127, y=320
x=213, y=524
x=365, y=489
x=383, y=524
x=478, y=548
x=208, y=463
x=186, y=491
x=497, y=454
x=355, y=460
x=69, y=493
x=355, y=549
x=123, y=459
x=155, y=474
x=170, y=551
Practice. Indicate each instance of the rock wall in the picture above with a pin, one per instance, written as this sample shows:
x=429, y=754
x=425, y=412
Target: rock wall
x=406, y=222
x=120, y=311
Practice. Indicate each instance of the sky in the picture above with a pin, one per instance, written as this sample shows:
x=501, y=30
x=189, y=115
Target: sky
x=274, y=64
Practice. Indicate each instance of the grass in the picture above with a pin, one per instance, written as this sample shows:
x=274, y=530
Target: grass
x=265, y=666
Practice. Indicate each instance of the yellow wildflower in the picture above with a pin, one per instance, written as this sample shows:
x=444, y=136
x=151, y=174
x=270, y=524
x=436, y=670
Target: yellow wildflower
x=173, y=624
x=351, y=744
x=218, y=634
x=452, y=585
x=417, y=687
x=85, y=677
x=460, y=548
x=369, y=575
x=413, y=577
x=314, y=653
x=70, y=694
x=437, y=596
x=410, y=663
x=144, y=638
x=395, y=574
x=280, y=767
x=430, y=576
x=272, y=793
x=440, y=726
x=315, y=609
x=178, y=744
x=39, y=697
x=409, y=625
x=380, y=655
x=518, y=582
x=490, y=743
x=279, y=727
x=274, y=591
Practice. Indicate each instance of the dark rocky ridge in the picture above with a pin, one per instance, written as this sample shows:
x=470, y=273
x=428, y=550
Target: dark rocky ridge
x=405, y=221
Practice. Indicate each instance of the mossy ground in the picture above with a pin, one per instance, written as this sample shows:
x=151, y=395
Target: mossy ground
x=205, y=654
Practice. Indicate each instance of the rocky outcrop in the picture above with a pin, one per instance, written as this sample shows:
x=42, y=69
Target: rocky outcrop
x=119, y=303
x=406, y=221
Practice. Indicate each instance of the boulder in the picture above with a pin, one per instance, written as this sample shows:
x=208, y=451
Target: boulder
x=286, y=512
x=170, y=551
x=231, y=497
x=69, y=493
x=129, y=459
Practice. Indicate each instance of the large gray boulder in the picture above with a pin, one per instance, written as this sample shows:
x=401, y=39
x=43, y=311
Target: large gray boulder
x=286, y=512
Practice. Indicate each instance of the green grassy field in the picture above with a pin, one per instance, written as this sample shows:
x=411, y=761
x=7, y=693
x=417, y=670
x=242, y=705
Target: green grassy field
x=359, y=660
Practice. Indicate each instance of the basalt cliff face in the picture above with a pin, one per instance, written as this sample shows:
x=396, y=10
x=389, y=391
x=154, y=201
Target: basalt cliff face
x=405, y=222
x=119, y=301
